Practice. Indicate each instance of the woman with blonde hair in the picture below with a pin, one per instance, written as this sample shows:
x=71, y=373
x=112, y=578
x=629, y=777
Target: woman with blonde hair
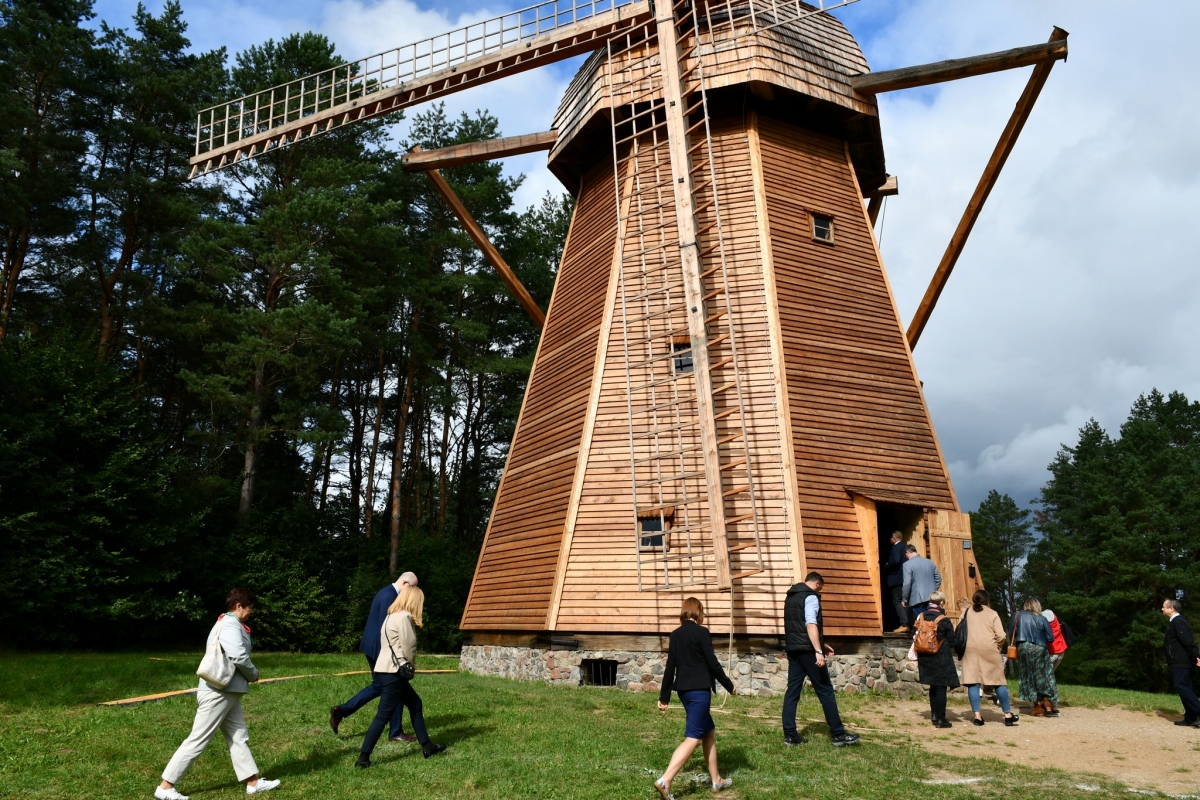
x=1033, y=637
x=693, y=671
x=394, y=670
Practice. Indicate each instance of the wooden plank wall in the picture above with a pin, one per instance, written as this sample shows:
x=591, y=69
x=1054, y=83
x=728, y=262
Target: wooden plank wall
x=815, y=57
x=600, y=588
x=857, y=414
x=514, y=579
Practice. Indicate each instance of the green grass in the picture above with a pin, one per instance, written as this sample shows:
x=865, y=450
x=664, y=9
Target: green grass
x=507, y=739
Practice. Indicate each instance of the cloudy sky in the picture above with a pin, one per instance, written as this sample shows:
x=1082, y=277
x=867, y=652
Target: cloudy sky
x=1079, y=288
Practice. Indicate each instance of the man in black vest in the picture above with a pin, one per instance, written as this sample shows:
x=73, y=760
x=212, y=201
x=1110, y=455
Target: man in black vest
x=807, y=651
x=1183, y=656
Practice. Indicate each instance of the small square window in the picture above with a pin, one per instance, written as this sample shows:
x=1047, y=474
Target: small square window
x=683, y=346
x=653, y=528
x=822, y=228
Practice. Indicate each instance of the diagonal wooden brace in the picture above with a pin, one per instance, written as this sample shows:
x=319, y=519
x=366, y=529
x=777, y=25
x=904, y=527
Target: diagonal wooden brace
x=484, y=244
x=988, y=180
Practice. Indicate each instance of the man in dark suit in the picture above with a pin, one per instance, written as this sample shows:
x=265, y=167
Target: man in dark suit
x=370, y=646
x=894, y=569
x=1183, y=656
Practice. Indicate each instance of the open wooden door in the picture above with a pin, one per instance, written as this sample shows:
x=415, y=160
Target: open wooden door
x=949, y=537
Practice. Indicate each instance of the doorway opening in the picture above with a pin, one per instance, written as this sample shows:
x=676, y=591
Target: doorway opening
x=907, y=520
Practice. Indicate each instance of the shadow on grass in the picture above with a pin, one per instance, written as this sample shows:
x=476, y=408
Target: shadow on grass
x=315, y=761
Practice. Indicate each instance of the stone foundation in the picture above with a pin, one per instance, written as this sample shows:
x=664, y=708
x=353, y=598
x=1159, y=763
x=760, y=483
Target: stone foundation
x=881, y=669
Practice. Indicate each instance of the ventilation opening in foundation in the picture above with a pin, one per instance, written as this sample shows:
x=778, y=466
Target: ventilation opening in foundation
x=599, y=672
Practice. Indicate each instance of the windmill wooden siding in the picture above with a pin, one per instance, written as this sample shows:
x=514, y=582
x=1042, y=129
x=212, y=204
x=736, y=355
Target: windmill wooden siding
x=835, y=415
x=517, y=564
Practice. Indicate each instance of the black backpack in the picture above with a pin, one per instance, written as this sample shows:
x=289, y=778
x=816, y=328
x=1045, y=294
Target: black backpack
x=960, y=637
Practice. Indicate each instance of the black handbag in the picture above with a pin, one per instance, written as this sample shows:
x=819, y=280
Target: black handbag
x=405, y=671
x=960, y=637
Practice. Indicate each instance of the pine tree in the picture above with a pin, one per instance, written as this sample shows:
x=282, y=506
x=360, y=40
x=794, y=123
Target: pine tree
x=1002, y=538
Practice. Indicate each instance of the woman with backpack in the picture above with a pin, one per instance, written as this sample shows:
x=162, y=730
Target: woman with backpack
x=1033, y=638
x=932, y=643
x=1064, y=637
x=693, y=671
x=981, y=635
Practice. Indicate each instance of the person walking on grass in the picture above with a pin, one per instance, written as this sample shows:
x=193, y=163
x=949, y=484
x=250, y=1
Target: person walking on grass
x=394, y=670
x=693, y=671
x=920, y=579
x=804, y=629
x=369, y=646
x=1033, y=637
x=981, y=662
x=1183, y=656
x=935, y=664
x=894, y=567
x=221, y=709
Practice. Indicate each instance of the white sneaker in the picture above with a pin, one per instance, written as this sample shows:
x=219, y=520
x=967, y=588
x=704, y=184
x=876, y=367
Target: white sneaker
x=263, y=785
x=169, y=794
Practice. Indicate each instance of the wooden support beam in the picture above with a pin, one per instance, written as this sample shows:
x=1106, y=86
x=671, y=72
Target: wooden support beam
x=986, y=181
x=693, y=288
x=890, y=188
x=477, y=151
x=484, y=244
x=926, y=74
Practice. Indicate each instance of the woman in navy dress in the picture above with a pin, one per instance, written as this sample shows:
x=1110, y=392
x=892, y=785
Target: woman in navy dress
x=693, y=671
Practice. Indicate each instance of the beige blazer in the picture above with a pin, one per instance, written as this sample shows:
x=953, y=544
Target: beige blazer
x=398, y=631
x=985, y=639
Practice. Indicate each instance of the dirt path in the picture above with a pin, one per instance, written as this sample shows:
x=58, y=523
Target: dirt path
x=1142, y=750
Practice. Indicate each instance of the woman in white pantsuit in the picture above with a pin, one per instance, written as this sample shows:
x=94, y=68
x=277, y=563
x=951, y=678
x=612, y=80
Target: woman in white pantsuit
x=222, y=709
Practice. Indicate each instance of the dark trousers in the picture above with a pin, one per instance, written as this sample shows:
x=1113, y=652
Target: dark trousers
x=804, y=665
x=370, y=693
x=898, y=604
x=1183, y=685
x=917, y=610
x=397, y=693
x=937, y=702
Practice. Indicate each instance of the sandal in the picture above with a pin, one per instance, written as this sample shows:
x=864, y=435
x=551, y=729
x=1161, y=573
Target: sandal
x=724, y=784
x=663, y=790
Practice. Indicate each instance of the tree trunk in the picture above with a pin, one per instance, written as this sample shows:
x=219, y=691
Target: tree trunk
x=354, y=465
x=374, y=450
x=319, y=453
x=14, y=262
x=250, y=465
x=401, y=432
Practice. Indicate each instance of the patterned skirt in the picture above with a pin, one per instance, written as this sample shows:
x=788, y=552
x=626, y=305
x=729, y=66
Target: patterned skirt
x=1037, y=674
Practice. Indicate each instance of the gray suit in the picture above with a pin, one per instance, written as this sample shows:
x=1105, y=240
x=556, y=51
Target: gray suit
x=921, y=579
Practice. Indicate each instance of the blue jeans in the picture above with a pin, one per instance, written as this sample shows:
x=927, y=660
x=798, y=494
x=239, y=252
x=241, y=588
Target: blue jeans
x=804, y=665
x=367, y=695
x=917, y=610
x=1001, y=692
x=396, y=693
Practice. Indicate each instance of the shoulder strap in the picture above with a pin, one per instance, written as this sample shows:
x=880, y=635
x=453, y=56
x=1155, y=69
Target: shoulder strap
x=1013, y=639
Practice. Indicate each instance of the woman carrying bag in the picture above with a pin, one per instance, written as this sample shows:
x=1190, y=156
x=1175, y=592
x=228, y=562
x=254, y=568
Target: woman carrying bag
x=932, y=643
x=981, y=662
x=219, y=705
x=1033, y=637
x=394, y=671
x=693, y=671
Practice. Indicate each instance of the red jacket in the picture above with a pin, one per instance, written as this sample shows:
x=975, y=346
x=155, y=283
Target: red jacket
x=1059, y=645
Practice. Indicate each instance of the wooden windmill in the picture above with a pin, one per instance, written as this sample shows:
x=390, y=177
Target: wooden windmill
x=723, y=397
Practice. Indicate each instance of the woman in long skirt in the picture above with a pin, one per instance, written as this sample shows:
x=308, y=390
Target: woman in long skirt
x=693, y=671
x=1037, y=683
